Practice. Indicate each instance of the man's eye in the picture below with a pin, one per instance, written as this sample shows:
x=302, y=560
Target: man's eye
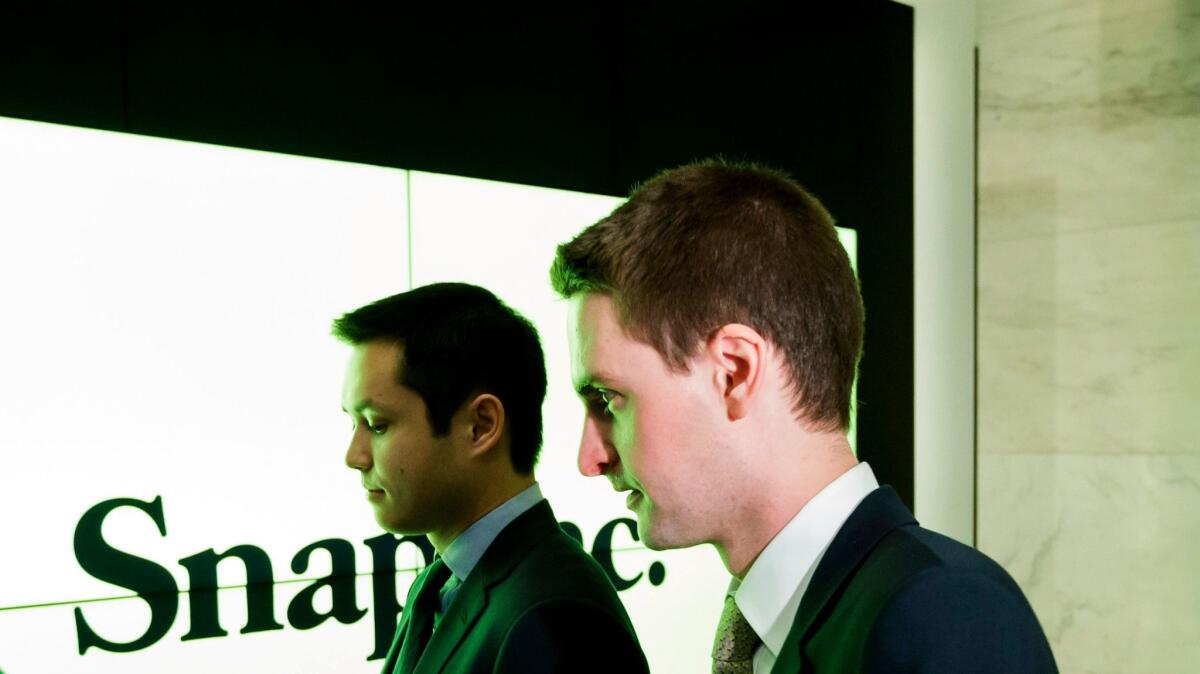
x=377, y=429
x=605, y=400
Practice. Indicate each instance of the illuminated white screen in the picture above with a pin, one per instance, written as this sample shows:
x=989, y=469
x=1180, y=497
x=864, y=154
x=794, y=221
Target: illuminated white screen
x=166, y=318
x=166, y=310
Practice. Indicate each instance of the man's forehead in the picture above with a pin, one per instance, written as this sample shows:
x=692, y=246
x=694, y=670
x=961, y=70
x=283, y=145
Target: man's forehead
x=596, y=337
x=587, y=325
x=377, y=358
x=371, y=368
x=594, y=316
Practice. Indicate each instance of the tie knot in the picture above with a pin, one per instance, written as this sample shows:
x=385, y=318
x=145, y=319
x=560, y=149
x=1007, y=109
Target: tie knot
x=733, y=649
x=439, y=573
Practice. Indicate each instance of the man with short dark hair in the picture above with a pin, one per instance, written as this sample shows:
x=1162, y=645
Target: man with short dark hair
x=445, y=388
x=715, y=331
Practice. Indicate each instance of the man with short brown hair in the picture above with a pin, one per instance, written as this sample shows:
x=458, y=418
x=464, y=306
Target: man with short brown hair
x=716, y=326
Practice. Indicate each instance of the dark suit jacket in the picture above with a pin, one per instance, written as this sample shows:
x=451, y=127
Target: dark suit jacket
x=889, y=596
x=536, y=602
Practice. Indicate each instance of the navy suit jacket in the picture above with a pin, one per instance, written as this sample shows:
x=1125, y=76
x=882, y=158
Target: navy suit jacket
x=535, y=603
x=889, y=596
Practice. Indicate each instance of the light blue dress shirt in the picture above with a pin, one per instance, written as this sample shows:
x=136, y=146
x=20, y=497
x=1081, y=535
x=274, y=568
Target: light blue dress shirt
x=464, y=553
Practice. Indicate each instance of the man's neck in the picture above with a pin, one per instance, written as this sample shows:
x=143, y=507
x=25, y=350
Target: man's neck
x=783, y=489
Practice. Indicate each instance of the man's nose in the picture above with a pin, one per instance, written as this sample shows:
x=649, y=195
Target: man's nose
x=596, y=456
x=358, y=453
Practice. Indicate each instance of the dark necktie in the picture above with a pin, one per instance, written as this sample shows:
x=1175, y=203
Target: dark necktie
x=444, y=597
x=733, y=649
x=422, y=613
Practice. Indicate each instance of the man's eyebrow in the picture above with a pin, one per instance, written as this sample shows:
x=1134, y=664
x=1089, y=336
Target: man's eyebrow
x=592, y=383
x=359, y=406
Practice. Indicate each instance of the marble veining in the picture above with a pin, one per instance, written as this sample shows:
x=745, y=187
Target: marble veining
x=1118, y=59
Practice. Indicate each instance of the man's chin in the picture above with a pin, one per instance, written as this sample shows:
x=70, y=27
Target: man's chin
x=652, y=534
x=652, y=544
x=394, y=525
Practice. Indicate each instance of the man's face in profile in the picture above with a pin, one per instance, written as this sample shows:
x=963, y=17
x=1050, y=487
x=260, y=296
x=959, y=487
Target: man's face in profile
x=405, y=470
x=646, y=428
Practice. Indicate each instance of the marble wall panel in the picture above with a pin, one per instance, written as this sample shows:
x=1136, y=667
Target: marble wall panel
x=1089, y=322
x=1017, y=344
x=1101, y=96
x=1105, y=547
x=1015, y=208
x=1149, y=62
x=1090, y=341
x=1063, y=62
x=1038, y=57
x=1134, y=174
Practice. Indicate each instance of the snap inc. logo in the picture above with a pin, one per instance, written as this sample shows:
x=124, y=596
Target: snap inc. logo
x=156, y=586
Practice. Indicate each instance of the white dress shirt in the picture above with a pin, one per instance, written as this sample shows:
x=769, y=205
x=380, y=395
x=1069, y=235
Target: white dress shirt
x=770, y=593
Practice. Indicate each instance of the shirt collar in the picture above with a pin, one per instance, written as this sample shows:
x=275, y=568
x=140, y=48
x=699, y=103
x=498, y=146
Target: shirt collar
x=466, y=550
x=770, y=592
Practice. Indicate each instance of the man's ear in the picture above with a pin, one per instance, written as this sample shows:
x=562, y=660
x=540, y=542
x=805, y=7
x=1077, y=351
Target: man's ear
x=739, y=354
x=485, y=416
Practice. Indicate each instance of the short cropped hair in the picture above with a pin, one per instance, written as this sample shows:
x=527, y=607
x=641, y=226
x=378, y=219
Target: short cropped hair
x=459, y=341
x=713, y=243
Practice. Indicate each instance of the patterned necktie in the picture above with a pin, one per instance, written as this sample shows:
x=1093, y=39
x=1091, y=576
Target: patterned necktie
x=423, y=611
x=733, y=649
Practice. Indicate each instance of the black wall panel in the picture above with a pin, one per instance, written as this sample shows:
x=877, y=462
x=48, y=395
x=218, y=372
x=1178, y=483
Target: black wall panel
x=62, y=62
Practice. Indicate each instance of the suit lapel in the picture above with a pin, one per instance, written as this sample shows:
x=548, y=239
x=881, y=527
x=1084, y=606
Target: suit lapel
x=879, y=513
x=509, y=548
x=393, y=657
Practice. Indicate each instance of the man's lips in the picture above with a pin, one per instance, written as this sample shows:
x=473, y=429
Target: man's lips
x=634, y=497
x=619, y=485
